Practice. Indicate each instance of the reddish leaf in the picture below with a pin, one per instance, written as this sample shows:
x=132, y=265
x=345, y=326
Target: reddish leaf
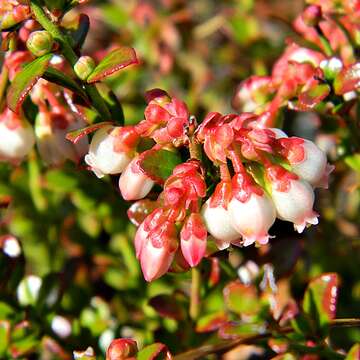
x=25, y=80
x=354, y=353
x=320, y=299
x=76, y=135
x=313, y=96
x=139, y=210
x=114, y=61
x=348, y=79
x=211, y=322
x=168, y=306
x=241, y=299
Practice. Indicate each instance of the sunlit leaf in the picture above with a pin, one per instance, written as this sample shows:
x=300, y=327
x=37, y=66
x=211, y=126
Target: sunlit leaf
x=354, y=353
x=76, y=135
x=25, y=80
x=159, y=164
x=211, y=322
x=234, y=330
x=241, y=299
x=114, y=61
x=154, y=351
x=320, y=300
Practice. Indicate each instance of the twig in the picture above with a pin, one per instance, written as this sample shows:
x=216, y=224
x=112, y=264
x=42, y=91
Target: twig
x=227, y=345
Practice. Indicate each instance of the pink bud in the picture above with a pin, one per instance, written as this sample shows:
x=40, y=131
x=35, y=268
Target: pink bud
x=103, y=157
x=133, y=183
x=253, y=218
x=193, y=239
x=218, y=224
x=306, y=159
x=295, y=204
x=121, y=349
x=158, y=250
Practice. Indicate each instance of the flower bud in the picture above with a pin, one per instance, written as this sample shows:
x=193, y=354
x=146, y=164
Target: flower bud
x=40, y=42
x=193, y=239
x=13, y=15
x=103, y=157
x=218, y=224
x=84, y=67
x=133, y=183
x=121, y=349
x=16, y=137
x=253, y=218
x=158, y=250
x=307, y=160
x=293, y=198
x=312, y=15
x=88, y=354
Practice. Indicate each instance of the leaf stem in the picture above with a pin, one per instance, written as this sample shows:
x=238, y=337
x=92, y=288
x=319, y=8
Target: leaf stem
x=227, y=345
x=70, y=55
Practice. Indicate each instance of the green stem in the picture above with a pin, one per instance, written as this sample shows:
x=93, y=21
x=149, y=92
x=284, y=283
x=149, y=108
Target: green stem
x=227, y=345
x=324, y=41
x=195, y=293
x=70, y=55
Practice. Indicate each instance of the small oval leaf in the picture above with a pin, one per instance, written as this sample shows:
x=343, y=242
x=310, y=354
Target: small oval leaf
x=211, y=322
x=25, y=80
x=76, y=135
x=241, y=299
x=320, y=299
x=158, y=165
x=354, y=353
x=114, y=61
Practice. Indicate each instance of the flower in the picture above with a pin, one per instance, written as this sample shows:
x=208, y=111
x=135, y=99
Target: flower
x=293, y=198
x=251, y=211
x=133, y=183
x=106, y=154
x=16, y=137
x=307, y=160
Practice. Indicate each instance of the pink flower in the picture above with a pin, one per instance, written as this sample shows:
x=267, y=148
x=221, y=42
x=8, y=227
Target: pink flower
x=133, y=183
x=252, y=212
x=193, y=239
x=293, y=198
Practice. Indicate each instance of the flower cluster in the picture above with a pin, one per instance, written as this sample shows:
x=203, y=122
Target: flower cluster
x=303, y=78
x=263, y=175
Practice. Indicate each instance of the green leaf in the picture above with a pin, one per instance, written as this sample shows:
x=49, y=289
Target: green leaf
x=320, y=300
x=25, y=80
x=76, y=135
x=112, y=102
x=353, y=161
x=155, y=351
x=114, y=61
x=57, y=77
x=241, y=299
x=159, y=164
x=354, y=353
x=4, y=337
x=211, y=322
x=234, y=330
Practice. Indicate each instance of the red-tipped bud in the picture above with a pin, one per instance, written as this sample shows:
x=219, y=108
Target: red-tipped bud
x=121, y=349
x=193, y=239
x=133, y=183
